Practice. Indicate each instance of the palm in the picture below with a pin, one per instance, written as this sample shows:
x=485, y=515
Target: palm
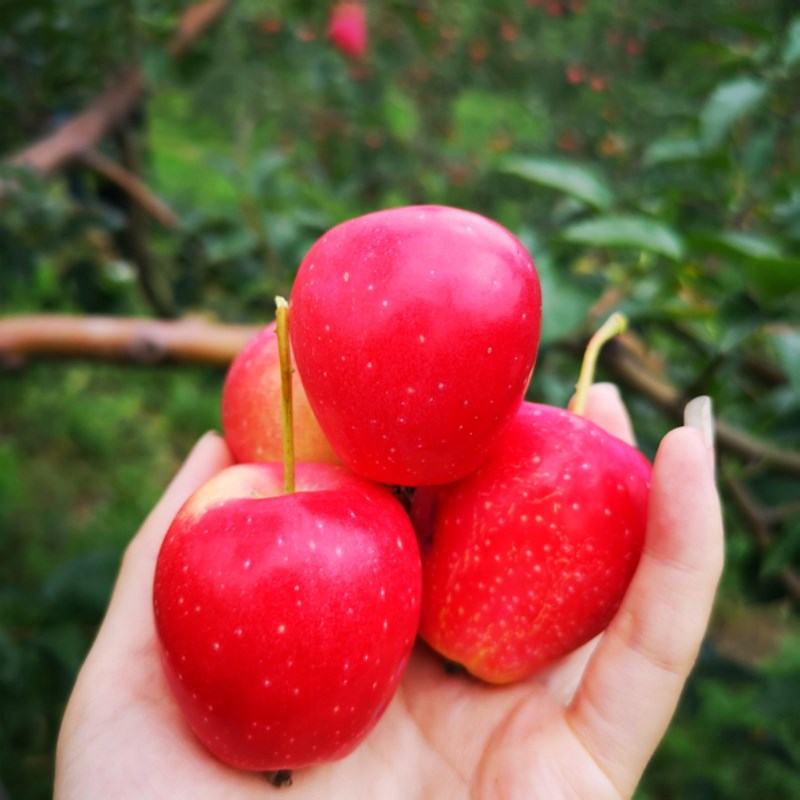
x=443, y=735
x=572, y=731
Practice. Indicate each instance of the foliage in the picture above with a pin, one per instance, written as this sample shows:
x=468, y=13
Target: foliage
x=647, y=155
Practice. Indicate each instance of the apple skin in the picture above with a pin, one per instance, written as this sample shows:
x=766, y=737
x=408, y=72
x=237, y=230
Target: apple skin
x=415, y=332
x=530, y=556
x=285, y=621
x=347, y=28
x=251, y=407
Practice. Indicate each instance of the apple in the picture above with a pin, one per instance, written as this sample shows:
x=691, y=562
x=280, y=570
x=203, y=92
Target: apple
x=529, y=557
x=285, y=621
x=347, y=28
x=251, y=407
x=415, y=332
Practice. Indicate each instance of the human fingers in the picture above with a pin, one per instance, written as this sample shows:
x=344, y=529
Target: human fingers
x=633, y=682
x=605, y=408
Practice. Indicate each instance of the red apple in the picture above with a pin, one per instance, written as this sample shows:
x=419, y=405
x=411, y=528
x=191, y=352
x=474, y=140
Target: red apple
x=251, y=407
x=285, y=621
x=347, y=28
x=415, y=332
x=529, y=557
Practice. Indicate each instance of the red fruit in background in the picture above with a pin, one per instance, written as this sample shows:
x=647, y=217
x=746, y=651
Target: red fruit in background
x=599, y=83
x=529, y=557
x=347, y=28
x=575, y=73
x=415, y=332
x=251, y=407
x=285, y=621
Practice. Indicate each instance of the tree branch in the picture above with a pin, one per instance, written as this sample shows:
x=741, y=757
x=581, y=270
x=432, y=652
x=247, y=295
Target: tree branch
x=143, y=341
x=133, y=186
x=757, y=518
x=621, y=357
x=107, y=111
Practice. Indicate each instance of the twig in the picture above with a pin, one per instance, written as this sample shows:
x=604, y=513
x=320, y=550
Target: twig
x=153, y=288
x=621, y=358
x=758, y=520
x=132, y=185
x=83, y=131
x=108, y=110
x=129, y=339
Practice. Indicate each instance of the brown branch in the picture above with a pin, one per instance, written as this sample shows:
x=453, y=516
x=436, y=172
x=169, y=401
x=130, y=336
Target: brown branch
x=621, y=357
x=110, y=108
x=155, y=290
x=757, y=519
x=83, y=131
x=133, y=186
x=194, y=21
x=145, y=341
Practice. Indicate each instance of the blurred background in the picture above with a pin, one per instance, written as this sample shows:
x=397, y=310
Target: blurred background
x=170, y=163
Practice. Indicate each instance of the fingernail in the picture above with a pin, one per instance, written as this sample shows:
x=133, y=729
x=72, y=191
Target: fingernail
x=698, y=414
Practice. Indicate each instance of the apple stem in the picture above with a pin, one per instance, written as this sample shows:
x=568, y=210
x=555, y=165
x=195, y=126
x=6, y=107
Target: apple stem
x=287, y=421
x=613, y=326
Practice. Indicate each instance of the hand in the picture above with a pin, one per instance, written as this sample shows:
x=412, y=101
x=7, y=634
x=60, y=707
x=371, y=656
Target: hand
x=584, y=728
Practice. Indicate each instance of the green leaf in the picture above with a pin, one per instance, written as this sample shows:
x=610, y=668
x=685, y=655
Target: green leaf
x=729, y=103
x=668, y=150
x=573, y=179
x=565, y=300
x=784, y=551
x=747, y=244
x=631, y=231
x=774, y=278
x=786, y=343
x=791, y=49
x=400, y=114
x=770, y=273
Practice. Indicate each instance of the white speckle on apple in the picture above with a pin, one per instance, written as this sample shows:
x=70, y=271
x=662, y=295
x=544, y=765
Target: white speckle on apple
x=295, y=692
x=216, y=646
x=238, y=632
x=346, y=277
x=281, y=628
x=488, y=351
x=399, y=543
x=267, y=682
x=370, y=287
x=339, y=552
x=369, y=365
x=247, y=564
x=576, y=506
x=197, y=609
x=180, y=601
x=312, y=545
x=384, y=303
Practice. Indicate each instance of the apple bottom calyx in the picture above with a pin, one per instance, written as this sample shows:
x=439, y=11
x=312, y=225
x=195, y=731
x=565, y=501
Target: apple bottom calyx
x=286, y=621
x=529, y=557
